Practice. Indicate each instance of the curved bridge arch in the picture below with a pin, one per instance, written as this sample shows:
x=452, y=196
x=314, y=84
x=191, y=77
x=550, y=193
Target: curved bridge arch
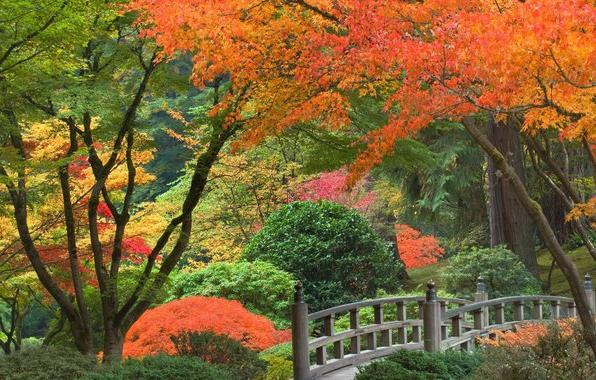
x=422, y=322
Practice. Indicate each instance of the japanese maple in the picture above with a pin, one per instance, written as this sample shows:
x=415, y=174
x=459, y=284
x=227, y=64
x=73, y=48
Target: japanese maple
x=415, y=249
x=151, y=333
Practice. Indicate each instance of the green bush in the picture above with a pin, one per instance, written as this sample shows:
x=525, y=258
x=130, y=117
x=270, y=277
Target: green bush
x=279, y=362
x=503, y=273
x=574, y=241
x=559, y=354
x=331, y=249
x=278, y=368
x=220, y=349
x=421, y=365
x=259, y=286
x=163, y=367
x=46, y=363
x=282, y=350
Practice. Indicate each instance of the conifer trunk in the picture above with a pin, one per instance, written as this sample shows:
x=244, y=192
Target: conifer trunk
x=566, y=265
x=510, y=223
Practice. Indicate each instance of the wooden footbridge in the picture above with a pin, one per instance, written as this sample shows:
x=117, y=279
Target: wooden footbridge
x=428, y=323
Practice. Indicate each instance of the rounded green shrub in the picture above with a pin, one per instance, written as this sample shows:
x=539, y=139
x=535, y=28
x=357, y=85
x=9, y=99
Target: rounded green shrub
x=259, y=286
x=46, y=363
x=503, y=272
x=331, y=249
x=163, y=367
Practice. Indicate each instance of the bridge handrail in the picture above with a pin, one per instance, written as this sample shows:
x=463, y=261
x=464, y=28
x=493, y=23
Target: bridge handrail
x=378, y=301
x=472, y=306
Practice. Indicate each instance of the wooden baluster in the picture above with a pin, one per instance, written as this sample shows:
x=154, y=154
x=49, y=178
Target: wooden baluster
x=371, y=338
x=327, y=330
x=443, y=325
x=385, y=334
x=456, y=325
x=478, y=319
x=416, y=334
x=537, y=311
x=401, y=316
x=555, y=309
x=500, y=314
x=421, y=309
x=571, y=309
x=338, y=347
x=518, y=311
x=354, y=324
x=463, y=317
x=417, y=330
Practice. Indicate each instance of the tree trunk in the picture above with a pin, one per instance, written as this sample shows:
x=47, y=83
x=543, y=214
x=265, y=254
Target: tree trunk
x=113, y=344
x=563, y=261
x=509, y=222
x=82, y=337
x=555, y=211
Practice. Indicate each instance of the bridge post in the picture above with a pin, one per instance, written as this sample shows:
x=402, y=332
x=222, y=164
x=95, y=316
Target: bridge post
x=432, y=320
x=482, y=295
x=590, y=292
x=300, y=355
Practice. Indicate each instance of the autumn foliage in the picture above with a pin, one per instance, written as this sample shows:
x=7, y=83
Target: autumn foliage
x=526, y=335
x=151, y=334
x=416, y=250
x=332, y=186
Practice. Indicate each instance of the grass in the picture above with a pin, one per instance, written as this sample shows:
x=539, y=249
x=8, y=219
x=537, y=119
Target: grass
x=583, y=261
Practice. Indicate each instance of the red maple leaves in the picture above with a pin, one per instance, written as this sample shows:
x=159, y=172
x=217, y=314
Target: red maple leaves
x=416, y=250
x=151, y=333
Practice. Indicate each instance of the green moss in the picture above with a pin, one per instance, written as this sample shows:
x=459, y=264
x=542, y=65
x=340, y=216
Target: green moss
x=581, y=258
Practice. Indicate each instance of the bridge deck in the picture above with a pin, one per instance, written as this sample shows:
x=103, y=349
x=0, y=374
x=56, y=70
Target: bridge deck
x=346, y=373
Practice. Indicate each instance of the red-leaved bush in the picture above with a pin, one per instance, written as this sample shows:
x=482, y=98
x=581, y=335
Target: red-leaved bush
x=151, y=334
x=416, y=250
x=332, y=186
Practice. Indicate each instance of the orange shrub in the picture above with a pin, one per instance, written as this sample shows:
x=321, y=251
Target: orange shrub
x=151, y=334
x=416, y=250
x=525, y=335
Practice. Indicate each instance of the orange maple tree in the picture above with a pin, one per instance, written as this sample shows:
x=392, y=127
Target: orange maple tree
x=416, y=250
x=151, y=333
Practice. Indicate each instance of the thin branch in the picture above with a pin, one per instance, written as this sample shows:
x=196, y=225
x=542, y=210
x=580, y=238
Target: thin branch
x=566, y=77
x=31, y=35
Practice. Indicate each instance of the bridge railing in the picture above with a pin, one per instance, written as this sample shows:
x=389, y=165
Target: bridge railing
x=421, y=322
